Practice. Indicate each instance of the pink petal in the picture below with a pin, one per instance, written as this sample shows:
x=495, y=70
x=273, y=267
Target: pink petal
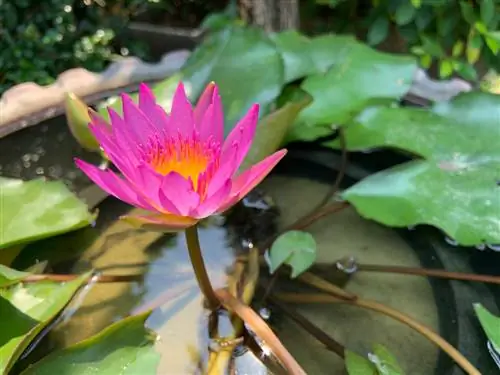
x=224, y=172
x=242, y=135
x=212, y=122
x=124, y=135
x=149, y=182
x=97, y=120
x=113, y=151
x=155, y=113
x=160, y=223
x=181, y=115
x=249, y=179
x=176, y=189
x=203, y=103
x=137, y=121
x=213, y=202
x=114, y=185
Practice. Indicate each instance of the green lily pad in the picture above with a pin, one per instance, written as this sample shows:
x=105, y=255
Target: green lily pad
x=272, y=129
x=124, y=348
x=304, y=56
x=358, y=365
x=360, y=76
x=490, y=324
x=37, y=209
x=380, y=362
x=384, y=361
x=455, y=188
x=243, y=62
x=295, y=248
x=245, y=65
x=28, y=309
x=330, y=49
x=9, y=276
x=294, y=48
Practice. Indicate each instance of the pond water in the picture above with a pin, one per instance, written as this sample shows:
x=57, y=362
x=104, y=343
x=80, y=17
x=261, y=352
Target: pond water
x=46, y=150
x=115, y=248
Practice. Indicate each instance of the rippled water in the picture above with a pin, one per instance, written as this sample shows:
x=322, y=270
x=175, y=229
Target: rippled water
x=115, y=248
x=46, y=150
x=181, y=322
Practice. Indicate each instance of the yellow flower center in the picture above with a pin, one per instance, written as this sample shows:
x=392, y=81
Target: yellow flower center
x=189, y=158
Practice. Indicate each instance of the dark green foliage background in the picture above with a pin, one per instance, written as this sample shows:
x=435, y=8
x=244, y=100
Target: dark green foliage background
x=40, y=39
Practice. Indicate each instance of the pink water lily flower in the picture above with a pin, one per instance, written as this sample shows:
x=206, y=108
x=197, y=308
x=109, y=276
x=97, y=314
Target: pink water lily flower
x=177, y=166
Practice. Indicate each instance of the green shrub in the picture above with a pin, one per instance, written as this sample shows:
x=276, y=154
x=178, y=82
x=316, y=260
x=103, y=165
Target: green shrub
x=455, y=34
x=40, y=39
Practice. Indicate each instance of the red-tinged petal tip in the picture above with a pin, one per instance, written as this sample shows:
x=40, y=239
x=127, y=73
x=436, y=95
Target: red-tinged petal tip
x=160, y=223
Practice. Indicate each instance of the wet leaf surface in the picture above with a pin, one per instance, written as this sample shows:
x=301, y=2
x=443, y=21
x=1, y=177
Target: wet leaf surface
x=245, y=65
x=293, y=47
x=456, y=187
x=490, y=324
x=294, y=248
x=380, y=362
x=359, y=76
x=384, y=361
x=272, y=129
x=243, y=62
x=10, y=276
x=28, y=309
x=37, y=209
x=358, y=365
x=123, y=348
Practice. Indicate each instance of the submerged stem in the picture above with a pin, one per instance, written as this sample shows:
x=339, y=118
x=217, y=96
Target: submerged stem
x=428, y=272
x=320, y=335
x=386, y=310
x=193, y=244
x=65, y=278
x=262, y=330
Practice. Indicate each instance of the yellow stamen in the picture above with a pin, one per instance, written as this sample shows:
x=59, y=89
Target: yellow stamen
x=189, y=159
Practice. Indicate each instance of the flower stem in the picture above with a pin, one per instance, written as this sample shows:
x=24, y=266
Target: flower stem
x=193, y=244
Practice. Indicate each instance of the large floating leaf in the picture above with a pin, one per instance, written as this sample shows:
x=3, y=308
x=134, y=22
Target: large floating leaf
x=245, y=65
x=37, y=209
x=358, y=77
x=329, y=49
x=272, y=129
x=242, y=61
x=25, y=310
x=456, y=187
x=294, y=48
x=10, y=276
x=124, y=348
x=295, y=248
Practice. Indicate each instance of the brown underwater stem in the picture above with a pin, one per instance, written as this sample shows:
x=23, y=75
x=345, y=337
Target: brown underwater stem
x=428, y=273
x=386, y=310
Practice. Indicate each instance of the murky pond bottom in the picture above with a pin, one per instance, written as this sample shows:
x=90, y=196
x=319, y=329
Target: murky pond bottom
x=181, y=322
